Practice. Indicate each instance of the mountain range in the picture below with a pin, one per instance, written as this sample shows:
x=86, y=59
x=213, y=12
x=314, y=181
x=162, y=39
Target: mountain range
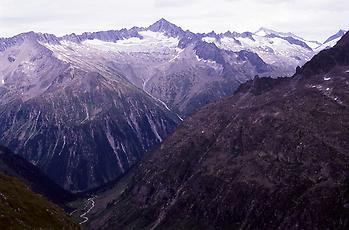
x=272, y=156
x=85, y=108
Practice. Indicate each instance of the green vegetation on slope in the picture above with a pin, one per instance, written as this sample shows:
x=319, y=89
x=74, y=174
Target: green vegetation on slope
x=20, y=208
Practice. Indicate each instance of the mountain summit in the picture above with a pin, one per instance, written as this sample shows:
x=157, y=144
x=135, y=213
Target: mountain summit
x=338, y=35
x=167, y=27
x=263, y=31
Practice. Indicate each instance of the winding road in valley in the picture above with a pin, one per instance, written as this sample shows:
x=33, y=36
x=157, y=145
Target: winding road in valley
x=92, y=203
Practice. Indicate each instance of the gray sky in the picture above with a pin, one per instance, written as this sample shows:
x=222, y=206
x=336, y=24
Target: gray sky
x=311, y=19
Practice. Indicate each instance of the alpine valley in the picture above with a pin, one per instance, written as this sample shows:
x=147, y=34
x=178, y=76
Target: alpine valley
x=85, y=108
x=272, y=156
x=161, y=128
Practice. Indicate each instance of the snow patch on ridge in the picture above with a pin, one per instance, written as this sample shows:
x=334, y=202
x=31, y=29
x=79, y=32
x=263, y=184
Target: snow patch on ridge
x=151, y=42
x=273, y=50
x=327, y=45
x=209, y=39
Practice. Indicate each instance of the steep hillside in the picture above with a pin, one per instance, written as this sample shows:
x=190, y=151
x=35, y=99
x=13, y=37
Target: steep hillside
x=20, y=208
x=273, y=156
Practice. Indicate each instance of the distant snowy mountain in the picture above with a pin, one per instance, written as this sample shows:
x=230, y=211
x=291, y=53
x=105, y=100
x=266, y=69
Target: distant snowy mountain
x=331, y=41
x=267, y=32
x=281, y=51
x=174, y=66
x=85, y=108
x=336, y=36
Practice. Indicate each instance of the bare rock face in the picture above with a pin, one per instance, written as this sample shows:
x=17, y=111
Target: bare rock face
x=273, y=156
x=82, y=126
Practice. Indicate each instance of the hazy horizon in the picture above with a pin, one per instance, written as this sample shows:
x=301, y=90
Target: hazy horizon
x=312, y=20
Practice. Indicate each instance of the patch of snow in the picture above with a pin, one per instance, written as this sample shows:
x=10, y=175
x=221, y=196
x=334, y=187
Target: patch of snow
x=164, y=104
x=265, y=31
x=113, y=146
x=206, y=61
x=327, y=45
x=154, y=128
x=179, y=51
x=2, y=81
x=272, y=50
x=312, y=44
x=261, y=33
x=347, y=71
x=161, y=102
x=87, y=114
x=209, y=39
x=60, y=152
x=199, y=59
x=327, y=78
x=338, y=100
x=327, y=89
x=151, y=42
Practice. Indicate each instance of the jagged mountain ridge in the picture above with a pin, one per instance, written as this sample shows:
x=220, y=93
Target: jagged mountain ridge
x=281, y=52
x=332, y=40
x=338, y=35
x=218, y=55
x=272, y=156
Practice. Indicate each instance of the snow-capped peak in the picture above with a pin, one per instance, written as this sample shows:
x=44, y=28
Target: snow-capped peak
x=336, y=36
x=292, y=38
x=331, y=41
x=167, y=27
x=265, y=31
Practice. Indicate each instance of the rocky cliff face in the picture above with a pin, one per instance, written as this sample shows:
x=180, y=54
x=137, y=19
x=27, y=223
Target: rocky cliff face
x=273, y=156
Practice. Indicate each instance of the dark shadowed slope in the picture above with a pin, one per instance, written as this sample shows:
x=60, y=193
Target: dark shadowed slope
x=32, y=176
x=273, y=156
